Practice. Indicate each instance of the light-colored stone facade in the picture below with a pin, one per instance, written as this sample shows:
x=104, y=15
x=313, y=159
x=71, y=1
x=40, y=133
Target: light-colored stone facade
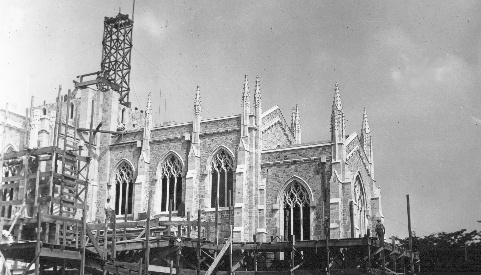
x=263, y=156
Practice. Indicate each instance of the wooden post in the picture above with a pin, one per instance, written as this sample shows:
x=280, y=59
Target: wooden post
x=188, y=224
x=147, y=234
x=394, y=255
x=231, y=202
x=178, y=251
x=293, y=251
x=327, y=204
x=198, y=242
x=216, y=225
x=39, y=231
x=84, y=211
x=369, y=242
x=351, y=217
x=169, y=231
x=410, y=236
x=2, y=144
x=114, y=236
x=207, y=229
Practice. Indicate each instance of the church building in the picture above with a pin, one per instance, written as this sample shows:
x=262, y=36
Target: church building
x=254, y=163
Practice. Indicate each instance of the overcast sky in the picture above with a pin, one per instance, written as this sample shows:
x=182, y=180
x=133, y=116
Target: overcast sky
x=414, y=65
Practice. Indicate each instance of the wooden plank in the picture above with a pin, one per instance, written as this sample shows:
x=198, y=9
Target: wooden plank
x=14, y=202
x=94, y=242
x=30, y=176
x=219, y=257
x=59, y=253
x=33, y=152
x=54, y=219
x=161, y=269
x=11, y=185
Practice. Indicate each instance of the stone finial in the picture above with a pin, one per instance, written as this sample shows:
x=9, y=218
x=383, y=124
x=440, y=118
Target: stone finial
x=197, y=103
x=257, y=93
x=148, y=112
x=293, y=119
x=365, y=123
x=337, y=98
x=297, y=125
x=246, y=95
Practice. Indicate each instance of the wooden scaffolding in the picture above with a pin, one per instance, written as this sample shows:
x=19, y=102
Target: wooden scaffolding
x=43, y=215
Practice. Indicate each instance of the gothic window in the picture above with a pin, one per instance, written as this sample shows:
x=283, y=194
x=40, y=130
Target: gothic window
x=124, y=187
x=297, y=212
x=122, y=115
x=359, y=208
x=171, y=188
x=44, y=111
x=222, y=178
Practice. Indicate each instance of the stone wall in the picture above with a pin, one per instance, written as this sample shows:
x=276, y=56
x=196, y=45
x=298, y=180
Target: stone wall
x=302, y=163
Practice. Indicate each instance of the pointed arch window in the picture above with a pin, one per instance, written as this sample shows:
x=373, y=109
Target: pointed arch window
x=297, y=212
x=360, y=209
x=124, y=189
x=44, y=111
x=171, y=180
x=222, y=178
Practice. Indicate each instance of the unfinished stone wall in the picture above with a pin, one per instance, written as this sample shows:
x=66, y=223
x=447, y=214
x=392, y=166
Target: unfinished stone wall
x=302, y=163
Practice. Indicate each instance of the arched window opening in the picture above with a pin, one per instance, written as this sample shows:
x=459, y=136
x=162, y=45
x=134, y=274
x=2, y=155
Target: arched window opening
x=44, y=111
x=71, y=110
x=171, y=180
x=122, y=116
x=124, y=187
x=297, y=212
x=359, y=209
x=222, y=178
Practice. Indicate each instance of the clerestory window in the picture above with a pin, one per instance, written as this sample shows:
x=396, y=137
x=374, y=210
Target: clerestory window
x=124, y=187
x=222, y=178
x=171, y=180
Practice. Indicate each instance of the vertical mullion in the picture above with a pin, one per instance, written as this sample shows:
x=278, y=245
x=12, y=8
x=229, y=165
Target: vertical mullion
x=292, y=220
x=225, y=187
x=167, y=195
x=218, y=187
x=174, y=193
x=301, y=223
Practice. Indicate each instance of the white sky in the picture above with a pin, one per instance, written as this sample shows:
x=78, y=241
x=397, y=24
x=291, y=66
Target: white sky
x=415, y=66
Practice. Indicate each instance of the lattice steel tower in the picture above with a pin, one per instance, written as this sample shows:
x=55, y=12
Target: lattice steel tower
x=116, y=53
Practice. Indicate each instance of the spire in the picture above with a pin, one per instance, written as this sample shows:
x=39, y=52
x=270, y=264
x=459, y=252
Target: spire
x=365, y=123
x=257, y=93
x=147, y=129
x=246, y=95
x=338, y=127
x=197, y=103
x=337, y=105
x=366, y=142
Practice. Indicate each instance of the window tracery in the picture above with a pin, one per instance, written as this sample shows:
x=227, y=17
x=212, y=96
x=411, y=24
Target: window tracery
x=171, y=180
x=296, y=211
x=124, y=189
x=222, y=178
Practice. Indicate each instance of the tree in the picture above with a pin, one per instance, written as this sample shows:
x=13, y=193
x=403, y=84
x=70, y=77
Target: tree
x=458, y=251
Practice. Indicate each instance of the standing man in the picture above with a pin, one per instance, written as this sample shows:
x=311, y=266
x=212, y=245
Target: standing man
x=380, y=231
